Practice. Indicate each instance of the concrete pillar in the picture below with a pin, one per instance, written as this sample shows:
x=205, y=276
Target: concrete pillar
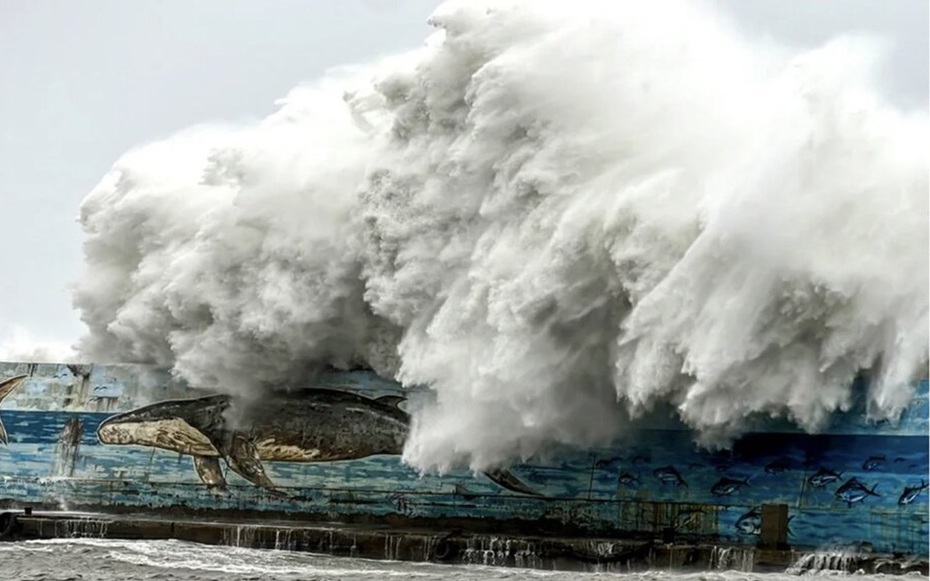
x=774, y=533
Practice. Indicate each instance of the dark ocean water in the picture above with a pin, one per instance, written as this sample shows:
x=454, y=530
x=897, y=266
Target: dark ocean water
x=120, y=560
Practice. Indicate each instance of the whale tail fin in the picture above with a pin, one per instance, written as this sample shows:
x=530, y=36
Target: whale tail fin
x=7, y=386
x=506, y=479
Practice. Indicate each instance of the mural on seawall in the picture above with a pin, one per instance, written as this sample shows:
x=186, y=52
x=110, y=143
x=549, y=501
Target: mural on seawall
x=311, y=425
x=126, y=436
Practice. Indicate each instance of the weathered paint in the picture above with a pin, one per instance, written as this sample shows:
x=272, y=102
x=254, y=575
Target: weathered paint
x=660, y=483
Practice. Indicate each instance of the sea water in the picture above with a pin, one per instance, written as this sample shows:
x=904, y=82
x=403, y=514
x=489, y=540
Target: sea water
x=127, y=560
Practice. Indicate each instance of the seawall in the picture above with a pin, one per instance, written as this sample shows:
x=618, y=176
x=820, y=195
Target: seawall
x=858, y=484
x=452, y=547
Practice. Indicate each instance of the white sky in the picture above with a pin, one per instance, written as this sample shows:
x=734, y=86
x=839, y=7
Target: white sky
x=82, y=82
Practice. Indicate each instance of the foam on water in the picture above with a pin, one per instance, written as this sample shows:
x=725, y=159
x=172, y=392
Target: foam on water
x=112, y=560
x=555, y=215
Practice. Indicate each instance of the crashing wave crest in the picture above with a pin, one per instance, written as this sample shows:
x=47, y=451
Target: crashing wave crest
x=555, y=215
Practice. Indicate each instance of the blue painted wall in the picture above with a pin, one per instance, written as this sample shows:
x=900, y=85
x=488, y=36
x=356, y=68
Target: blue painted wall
x=617, y=492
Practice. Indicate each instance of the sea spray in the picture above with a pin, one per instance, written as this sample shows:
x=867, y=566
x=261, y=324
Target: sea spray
x=556, y=216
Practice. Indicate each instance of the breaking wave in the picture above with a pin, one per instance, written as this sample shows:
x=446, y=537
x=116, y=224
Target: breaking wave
x=556, y=216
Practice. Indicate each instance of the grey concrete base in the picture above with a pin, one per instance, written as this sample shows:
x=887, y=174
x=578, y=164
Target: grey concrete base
x=375, y=542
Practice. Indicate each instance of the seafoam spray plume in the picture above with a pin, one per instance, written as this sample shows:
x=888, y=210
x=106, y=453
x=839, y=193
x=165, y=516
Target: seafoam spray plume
x=21, y=345
x=556, y=216
x=223, y=252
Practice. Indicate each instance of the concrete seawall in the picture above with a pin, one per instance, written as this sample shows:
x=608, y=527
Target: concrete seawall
x=116, y=440
x=456, y=546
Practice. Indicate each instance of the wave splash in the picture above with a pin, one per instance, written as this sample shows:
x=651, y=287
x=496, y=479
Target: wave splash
x=556, y=216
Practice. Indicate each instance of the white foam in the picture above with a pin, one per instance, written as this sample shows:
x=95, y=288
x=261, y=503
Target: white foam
x=556, y=215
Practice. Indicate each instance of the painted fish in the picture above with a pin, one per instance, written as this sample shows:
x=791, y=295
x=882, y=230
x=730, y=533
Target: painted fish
x=628, y=479
x=8, y=386
x=669, y=475
x=873, y=462
x=777, y=466
x=311, y=425
x=911, y=493
x=726, y=486
x=750, y=523
x=853, y=491
x=822, y=477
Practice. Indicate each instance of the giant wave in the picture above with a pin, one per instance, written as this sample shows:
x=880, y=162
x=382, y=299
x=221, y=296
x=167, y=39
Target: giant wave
x=556, y=216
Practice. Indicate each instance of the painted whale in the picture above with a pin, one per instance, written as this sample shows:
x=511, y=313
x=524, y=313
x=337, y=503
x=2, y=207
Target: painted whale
x=8, y=386
x=311, y=425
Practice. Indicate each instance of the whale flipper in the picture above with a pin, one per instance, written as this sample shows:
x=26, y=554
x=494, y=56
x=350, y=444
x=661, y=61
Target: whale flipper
x=7, y=386
x=242, y=457
x=210, y=473
x=392, y=400
x=506, y=479
x=240, y=454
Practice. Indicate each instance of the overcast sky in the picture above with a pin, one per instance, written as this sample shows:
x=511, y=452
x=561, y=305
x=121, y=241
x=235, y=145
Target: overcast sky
x=82, y=82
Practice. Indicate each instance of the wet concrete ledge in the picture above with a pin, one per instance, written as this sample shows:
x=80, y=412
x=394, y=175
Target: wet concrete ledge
x=450, y=546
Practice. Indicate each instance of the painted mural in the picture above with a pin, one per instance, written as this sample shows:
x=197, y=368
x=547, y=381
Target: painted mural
x=311, y=425
x=97, y=436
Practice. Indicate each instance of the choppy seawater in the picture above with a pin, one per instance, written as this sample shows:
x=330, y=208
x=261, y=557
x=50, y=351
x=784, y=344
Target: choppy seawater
x=120, y=560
